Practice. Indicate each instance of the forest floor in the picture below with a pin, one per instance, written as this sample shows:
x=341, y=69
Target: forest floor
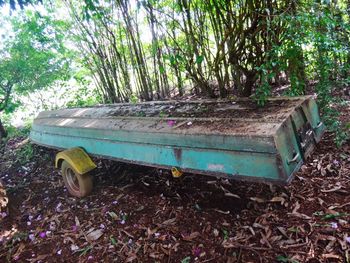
x=139, y=214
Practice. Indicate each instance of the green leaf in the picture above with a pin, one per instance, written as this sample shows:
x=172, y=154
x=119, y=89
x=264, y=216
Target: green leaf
x=84, y=250
x=172, y=60
x=186, y=260
x=199, y=59
x=225, y=232
x=154, y=48
x=281, y=258
x=178, y=57
x=161, y=69
x=113, y=215
x=332, y=216
x=284, y=259
x=113, y=241
x=293, y=229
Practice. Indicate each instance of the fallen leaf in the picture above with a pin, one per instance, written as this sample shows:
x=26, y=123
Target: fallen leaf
x=94, y=235
x=331, y=255
x=257, y=199
x=113, y=215
x=222, y=212
x=278, y=199
x=170, y=221
x=150, y=232
x=232, y=195
x=191, y=236
x=38, y=258
x=296, y=208
x=300, y=215
x=334, y=189
x=74, y=247
x=77, y=223
x=19, y=250
x=131, y=258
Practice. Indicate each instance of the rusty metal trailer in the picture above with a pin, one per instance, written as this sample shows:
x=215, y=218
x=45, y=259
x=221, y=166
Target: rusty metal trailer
x=229, y=138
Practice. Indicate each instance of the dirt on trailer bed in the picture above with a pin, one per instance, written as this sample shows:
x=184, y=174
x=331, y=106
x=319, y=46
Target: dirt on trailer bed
x=205, y=109
x=227, y=117
x=138, y=214
x=275, y=109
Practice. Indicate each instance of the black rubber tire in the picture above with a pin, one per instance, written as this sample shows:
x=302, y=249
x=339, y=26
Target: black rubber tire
x=79, y=185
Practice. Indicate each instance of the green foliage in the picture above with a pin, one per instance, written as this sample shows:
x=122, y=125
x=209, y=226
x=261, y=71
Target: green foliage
x=84, y=97
x=328, y=46
x=25, y=153
x=313, y=47
x=134, y=98
x=263, y=91
x=14, y=4
x=331, y=117
x=14, y=132
x=33, y=59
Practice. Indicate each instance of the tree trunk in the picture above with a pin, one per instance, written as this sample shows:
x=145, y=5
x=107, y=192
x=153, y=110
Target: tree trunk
x=180, y=86
x=250, y=80
x=3, y=133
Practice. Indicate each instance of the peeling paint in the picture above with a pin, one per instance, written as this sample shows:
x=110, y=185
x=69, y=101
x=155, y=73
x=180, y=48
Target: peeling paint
x=216, y=167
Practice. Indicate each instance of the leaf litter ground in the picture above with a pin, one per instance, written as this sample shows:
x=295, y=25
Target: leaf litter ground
x=138, y=214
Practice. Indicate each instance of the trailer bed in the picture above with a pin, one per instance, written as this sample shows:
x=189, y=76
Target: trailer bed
x=230, y=138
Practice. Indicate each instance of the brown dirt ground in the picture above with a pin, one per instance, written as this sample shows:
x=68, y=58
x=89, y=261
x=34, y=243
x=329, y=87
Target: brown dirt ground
x=145, y=215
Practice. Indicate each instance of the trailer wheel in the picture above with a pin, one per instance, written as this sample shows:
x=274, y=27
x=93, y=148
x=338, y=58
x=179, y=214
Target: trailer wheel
x=78, y=185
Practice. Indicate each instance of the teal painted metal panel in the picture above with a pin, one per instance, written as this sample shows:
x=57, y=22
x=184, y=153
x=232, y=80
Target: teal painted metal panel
x=313, y=115
x=287, y=146
x=214, y=141
x=231, y=163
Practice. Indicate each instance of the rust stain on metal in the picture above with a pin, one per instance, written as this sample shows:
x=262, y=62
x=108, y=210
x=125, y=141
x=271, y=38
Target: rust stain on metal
x=178, y=154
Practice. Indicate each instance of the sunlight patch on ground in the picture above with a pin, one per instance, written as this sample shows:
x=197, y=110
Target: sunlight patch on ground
x=8, y=234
